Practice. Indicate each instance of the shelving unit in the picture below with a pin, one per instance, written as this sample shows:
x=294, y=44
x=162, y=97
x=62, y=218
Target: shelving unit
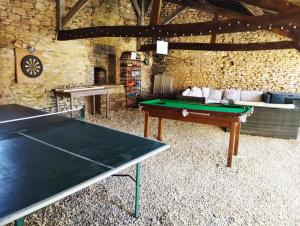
x=131, y=77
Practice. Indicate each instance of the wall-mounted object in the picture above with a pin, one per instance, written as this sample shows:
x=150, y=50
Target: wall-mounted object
x=162, y=47
x=29, y=66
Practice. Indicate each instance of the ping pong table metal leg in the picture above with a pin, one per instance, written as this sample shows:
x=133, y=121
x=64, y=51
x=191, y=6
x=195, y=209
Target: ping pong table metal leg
x=19, y=222
x=137, y=190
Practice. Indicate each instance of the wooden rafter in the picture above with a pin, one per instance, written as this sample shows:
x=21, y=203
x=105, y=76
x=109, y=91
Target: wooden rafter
x=255, y=10
x=176, y=13
x=73, y=11
x=155, y=14
x=60, y=11
x=136, y=7
x=276, y=5
x=288, y=21
x=207, y=7
x=225, y=47
x=141, y=20
x=213, y=37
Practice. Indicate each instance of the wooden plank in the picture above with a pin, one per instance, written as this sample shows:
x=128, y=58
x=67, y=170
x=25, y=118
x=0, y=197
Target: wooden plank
x=226, y=47
x=73, y=11
x=176, y=13
x=287, y=21
x=60, y=11
x=155, y=14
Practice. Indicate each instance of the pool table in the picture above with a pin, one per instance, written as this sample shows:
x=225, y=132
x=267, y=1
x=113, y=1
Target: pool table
x=226, y=116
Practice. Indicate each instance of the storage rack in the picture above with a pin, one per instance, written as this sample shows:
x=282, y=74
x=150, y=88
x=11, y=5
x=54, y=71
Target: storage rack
x=130, y=77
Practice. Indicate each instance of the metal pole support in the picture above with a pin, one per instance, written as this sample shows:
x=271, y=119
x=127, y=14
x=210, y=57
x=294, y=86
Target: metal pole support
x=19, y=222
x=137, y=190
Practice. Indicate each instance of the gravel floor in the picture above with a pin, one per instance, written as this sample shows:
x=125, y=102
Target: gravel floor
x=189, y=184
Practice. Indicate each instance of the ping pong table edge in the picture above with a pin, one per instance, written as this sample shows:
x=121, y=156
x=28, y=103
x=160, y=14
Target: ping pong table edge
x=46, y=202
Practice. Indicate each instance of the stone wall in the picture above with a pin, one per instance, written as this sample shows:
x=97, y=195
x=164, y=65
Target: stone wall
x=277, y=70
x=67, y=63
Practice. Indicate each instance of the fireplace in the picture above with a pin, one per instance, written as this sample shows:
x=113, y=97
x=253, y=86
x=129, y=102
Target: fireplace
x=105, y=64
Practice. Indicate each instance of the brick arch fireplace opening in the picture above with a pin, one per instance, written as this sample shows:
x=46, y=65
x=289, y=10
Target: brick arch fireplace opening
x=105, y=58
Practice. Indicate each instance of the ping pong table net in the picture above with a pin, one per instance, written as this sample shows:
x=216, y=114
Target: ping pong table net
x=11, y=127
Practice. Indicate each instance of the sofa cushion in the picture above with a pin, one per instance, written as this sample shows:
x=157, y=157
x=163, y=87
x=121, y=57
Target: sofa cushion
x=186, y=92
x=232, y=94
x=212, y=101
x=252, y=96
x=266, y=105
x=215, y=94
x=195, y=92
x=205, y=91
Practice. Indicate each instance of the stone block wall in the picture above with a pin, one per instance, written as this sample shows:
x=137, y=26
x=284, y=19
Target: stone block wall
x=276, y=70
x=67, y=63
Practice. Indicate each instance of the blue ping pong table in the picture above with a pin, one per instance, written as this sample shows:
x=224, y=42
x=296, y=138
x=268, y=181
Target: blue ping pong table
x=44, y=159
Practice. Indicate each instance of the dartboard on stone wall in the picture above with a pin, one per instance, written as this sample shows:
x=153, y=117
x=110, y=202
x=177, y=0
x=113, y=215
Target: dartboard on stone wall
x=31, y=66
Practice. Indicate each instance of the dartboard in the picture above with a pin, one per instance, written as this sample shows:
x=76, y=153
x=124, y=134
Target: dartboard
x=31, y=66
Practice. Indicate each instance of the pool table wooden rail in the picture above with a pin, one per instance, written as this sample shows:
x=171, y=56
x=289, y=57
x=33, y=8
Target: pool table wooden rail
x=220, y=119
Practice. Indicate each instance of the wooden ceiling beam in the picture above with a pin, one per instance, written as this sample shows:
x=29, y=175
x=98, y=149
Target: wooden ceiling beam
x=276, y=5
x=73, y=11
x=288, y=21
x=224, y=47
x=176, y=13
x=155, y=14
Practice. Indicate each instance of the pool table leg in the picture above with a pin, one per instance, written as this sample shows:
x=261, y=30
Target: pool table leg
x=231, y=143
x=160, y=125
x=146, y=125
x=237, y=138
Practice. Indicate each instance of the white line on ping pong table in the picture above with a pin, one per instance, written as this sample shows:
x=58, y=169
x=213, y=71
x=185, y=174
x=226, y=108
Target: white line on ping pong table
x=38, y=116
x=64, y=150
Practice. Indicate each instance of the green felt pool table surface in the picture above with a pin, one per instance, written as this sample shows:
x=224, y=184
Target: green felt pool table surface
x=190, y=105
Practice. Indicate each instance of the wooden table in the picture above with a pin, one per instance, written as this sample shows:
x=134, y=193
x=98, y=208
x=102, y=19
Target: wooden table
x=226, y=116
x=83, y=92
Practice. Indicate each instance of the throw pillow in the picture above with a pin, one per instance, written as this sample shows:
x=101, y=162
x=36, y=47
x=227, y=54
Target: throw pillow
x=252, y=96
x=195, y=92
x=231, y=94
x=215, y=94
x=205, y=91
